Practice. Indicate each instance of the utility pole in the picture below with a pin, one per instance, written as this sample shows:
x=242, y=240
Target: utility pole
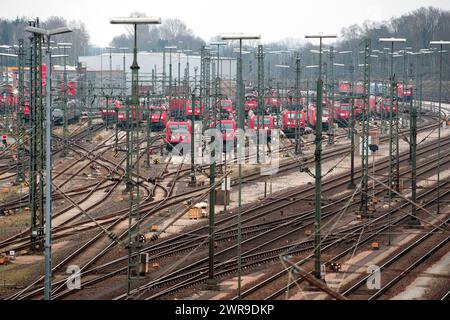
x=36, y=143
x=441, y=43
x=193, y=181
x=318, y=163
x=149, y=133
x=352, y=128
x=413, y=127
x=331, y=135
x=260, y=57
x=393, y=143
x=65, y=46
x=48, y=155
x=365, y=131
x=90, y=102
x=20, y=112
x=297, y=99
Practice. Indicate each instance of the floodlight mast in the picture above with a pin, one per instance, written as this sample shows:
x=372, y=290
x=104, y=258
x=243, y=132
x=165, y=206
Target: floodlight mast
x=133, y=244
x=397, y=164
x=241, y=110
x=317, y=156
x=440, y=43
x=48, y=156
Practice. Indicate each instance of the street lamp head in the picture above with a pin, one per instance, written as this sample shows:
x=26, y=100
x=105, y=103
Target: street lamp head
x=240, y=36
x=218, y=43
x=48, y=33
x=137, y=20
x=345, y=52
x=282, y=66
x=440, y=42
x=339, y=64
x=400, y=40
x=170, y=47
x=8, y=55
x=58, y=31
x=124, y=48
x=64, y=44
x=316, y=36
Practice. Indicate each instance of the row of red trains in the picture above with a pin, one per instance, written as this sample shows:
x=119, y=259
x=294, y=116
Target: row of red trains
x=178, y=131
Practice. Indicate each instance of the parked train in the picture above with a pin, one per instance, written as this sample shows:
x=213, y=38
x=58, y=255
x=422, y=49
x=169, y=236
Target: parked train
x=199, y=109
x=344, y=110
x=251, y=103
x=177, y=108
x=73, y=113
x=134, y=113
x=158, y=118
x=312, y=117
x=226, y=109
x=108, y=109
x=177, y=132
x=294, y=119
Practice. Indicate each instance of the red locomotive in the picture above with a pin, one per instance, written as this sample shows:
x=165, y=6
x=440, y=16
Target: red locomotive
x=177, y=107
x=226, y=108
x=199, y=109
x=158, y=119
x=177, y=132
x=312, y=117
x=134, y=115
x=293, y=119
x=108, y=109
x=228, y=129
x=386, y=106
x=344, y=110
x=251, y=102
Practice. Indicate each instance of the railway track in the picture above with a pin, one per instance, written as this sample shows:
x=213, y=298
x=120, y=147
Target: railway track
x=179, y=243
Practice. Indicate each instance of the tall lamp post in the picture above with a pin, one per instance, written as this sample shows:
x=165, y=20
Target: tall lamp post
x=134, y=243
x=317, y=156
x=392, y=41
x=48, y=154
x=240, y=106
x=440, y=43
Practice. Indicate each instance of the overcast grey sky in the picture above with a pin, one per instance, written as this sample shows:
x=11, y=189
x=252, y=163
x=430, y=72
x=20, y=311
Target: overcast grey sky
x=273, y=20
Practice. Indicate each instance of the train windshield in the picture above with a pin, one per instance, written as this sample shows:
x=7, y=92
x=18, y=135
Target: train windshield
x=179, y=128
x=264, y=121
x=226, y=127
x=226, y=103
x=295, y=116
